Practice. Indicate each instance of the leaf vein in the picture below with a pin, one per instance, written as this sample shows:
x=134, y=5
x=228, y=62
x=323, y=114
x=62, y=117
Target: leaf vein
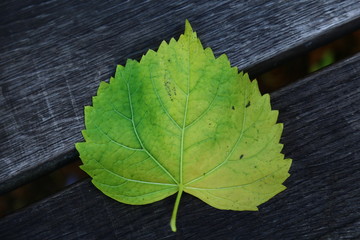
x=132, y=180
x=232, y=150
x=162, y=104
x=119, y=113
x=139, y=139
x=206, y=110
x=237, y=186
x=149, y=193
x=117, y=143
x=257, y=153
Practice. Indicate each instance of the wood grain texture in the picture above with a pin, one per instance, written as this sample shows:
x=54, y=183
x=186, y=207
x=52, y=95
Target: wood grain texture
x=55, y=53
x=321, y=134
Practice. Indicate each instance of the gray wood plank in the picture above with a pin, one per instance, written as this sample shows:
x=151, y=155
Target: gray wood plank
x=55, y=53
x=321, y=134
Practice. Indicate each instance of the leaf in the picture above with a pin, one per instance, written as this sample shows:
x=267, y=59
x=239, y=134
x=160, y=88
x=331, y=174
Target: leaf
x=181, y=120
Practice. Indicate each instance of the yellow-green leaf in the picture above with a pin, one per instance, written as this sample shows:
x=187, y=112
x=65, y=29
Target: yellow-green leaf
x=181, y=120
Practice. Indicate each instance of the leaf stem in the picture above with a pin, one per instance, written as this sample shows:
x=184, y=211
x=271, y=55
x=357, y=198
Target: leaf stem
x=176, y=206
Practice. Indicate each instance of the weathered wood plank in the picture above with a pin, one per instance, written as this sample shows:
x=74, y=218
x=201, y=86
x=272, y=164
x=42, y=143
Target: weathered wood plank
x=321, y=134
x=54, y=53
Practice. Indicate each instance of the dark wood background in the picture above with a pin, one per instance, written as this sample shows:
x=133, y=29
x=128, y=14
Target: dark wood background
x=55, y=53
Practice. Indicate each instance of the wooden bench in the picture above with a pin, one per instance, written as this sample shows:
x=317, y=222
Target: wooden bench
x=55, y=53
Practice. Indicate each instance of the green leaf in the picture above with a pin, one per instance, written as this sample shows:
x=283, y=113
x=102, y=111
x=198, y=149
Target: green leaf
x=181, y=120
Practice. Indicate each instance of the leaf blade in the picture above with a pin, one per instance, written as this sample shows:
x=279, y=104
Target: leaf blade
x=183, y=120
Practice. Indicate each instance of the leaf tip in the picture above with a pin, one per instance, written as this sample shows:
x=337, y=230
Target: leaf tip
x=188, y=28
x=130, y=63
x=162, y=46
x=77, y=147
x=88, y=109
x=119, y=68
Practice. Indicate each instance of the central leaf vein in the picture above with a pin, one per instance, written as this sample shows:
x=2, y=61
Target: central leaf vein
x=185, y=115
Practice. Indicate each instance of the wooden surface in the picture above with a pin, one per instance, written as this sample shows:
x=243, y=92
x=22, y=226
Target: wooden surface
x=55, y=53
x=321, y=134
